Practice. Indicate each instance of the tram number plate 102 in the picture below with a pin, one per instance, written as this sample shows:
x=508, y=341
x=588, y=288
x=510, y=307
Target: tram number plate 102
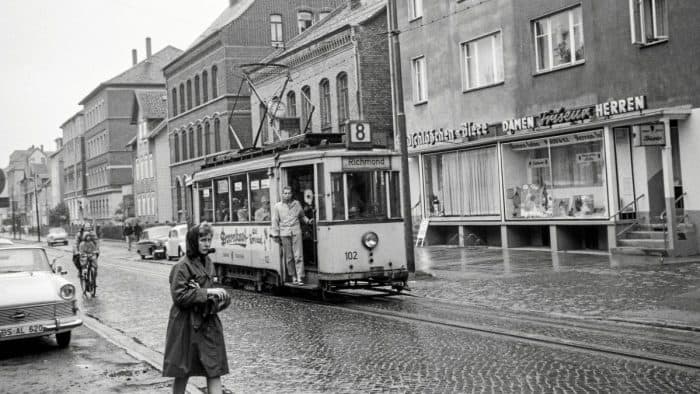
x=351, y=255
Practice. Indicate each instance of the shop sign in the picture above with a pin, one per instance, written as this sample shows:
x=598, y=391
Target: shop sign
x=568, y=139
x=538, y=163
x=467, y=131
x=359, y=163
x=583, y=158
x=652, y=135
x=222, y=186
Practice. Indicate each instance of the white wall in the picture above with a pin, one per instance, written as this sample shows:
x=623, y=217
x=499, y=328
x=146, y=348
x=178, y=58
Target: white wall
x=161, y=156
x=689, y=140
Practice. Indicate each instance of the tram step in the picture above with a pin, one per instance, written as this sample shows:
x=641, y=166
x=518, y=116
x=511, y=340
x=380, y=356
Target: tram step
x=644, y=243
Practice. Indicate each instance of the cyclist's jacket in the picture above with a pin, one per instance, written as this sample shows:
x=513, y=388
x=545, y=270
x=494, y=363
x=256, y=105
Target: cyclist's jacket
x=88, y=247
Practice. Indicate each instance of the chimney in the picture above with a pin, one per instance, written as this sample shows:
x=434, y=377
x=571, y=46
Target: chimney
x=148, y=47
x=133, y=57
x=42, y=147
x=354, y=4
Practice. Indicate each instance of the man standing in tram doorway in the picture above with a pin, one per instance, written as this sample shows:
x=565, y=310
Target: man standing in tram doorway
x=287, y=216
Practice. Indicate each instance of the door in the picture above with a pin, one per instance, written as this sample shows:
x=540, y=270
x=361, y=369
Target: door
x=625, y=174
x=302, y=181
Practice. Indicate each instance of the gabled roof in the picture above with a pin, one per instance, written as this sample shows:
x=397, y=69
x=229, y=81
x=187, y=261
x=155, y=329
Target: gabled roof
x=342, y=17
x=231, y=13
x=151, y=103
x=148, y=72
x=79, y=113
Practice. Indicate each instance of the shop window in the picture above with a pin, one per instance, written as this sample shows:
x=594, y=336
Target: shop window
x=260, y=196
x=415, y=9
x=419, y=79
x=239, y=198
x=559, y=39
x=206, y=207
x=304, y=20
x=462, y=183
x=556, y=177
x=482, y=61
x=222, y=200
x=649, y=21
x=276, y=31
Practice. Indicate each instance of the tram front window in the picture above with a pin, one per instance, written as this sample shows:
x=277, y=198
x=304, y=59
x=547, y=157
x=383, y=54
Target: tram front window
x=366, y=195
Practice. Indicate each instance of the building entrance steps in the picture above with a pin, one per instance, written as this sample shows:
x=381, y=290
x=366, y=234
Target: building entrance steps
x=591, y=286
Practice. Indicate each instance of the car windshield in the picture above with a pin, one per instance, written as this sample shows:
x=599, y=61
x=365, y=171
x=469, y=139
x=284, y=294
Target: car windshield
x=156, y=232
x=56, y=230
x=18, y=260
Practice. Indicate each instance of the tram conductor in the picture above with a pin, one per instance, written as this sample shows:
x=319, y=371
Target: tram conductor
x=287, y=216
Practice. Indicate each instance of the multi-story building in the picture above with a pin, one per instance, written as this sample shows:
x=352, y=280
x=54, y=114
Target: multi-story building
x=148, y=113
x=107, y=117
x=74, y=192
x=159, y=147
x=340, y=69
x=205, y=83
x=35, y=187
x=567, y=125
x=15, y=173
x=56, y=186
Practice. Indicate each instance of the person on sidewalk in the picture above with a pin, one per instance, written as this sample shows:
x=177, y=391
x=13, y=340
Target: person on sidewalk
x=194, y=342
x=128, y=235
x=286, y=230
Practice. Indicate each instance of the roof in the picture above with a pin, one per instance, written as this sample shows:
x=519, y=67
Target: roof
x=79, y=113
x=161, y=126
x=342, y=17
x=152, y=104
x=148, y=72
x=132, y=143
x=230, y=14
x=39, y=168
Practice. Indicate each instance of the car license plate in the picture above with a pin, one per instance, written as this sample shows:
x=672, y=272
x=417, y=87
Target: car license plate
x=159, y=251
x=24, y=329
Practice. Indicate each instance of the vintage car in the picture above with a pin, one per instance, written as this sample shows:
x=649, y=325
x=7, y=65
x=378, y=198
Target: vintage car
x=57, y=235
x=34, y=299
x=152, y=242
x=176, y=246
x=4, y=242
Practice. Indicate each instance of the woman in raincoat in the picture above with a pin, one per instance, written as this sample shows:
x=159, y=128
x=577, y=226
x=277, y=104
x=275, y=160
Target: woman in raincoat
x=194, y=343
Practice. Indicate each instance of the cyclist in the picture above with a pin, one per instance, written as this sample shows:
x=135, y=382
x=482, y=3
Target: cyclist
x=88, y=247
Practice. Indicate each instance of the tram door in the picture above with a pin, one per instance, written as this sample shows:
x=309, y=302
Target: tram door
x=301, y=180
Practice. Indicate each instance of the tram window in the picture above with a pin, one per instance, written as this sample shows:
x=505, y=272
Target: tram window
x=321, y=191
x=260, y=195
x=206, y=209
x=337, y=195
x=239, y=198
x=221, y=199
x=394, y=194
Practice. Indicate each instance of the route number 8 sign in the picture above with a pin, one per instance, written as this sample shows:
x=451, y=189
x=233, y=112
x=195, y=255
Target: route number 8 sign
x=359, y=135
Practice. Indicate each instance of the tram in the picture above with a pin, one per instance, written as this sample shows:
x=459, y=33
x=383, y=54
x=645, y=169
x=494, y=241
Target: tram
x=356, y=239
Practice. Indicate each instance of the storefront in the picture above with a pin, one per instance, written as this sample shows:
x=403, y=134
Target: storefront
x=565, y=179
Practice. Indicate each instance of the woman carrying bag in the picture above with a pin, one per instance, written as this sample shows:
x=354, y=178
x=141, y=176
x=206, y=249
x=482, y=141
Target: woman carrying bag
x=194, y=343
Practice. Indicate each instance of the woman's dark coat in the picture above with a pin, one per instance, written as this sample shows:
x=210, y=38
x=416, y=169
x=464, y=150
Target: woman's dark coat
x=194, y=343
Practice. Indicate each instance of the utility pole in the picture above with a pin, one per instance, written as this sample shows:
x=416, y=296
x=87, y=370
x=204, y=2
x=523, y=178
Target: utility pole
x=36, y=207
x=400, y=124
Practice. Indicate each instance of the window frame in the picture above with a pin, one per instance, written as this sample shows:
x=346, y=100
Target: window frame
x=324, y=90
x=310, y=14
x=641, y=19
x=415, y=10
x=343, y=99
x=276, y=31
x=499, y=74
x=550, y=55
x=419, y=91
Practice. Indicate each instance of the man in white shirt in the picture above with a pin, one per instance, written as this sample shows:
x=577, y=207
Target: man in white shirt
x=286, y=229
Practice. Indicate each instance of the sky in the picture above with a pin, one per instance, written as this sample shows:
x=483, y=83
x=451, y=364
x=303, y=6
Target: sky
x=54, y=52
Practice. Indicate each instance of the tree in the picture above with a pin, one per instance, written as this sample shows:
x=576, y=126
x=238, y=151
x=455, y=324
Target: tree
x=59, y=215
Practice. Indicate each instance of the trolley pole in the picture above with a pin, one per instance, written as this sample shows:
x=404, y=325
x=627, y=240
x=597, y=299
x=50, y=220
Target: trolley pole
x=400, y=125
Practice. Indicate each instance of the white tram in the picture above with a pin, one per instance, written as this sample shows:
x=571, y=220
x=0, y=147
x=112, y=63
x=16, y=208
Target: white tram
x=357, y=237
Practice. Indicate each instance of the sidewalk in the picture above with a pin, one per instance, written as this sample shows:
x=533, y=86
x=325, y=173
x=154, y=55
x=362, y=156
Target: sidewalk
x=562, y=284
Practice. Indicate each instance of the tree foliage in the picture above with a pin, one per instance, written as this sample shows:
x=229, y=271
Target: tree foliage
x=59, y=215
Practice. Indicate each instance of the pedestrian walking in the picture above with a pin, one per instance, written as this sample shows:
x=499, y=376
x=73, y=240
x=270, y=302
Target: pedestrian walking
x=128, y=235
x=137, y=231
x=286, y=230
x=194, y=343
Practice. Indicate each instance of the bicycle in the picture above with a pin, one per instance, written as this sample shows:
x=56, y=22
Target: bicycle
x=88, y=274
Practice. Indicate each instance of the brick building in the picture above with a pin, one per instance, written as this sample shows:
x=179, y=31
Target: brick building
x=107, y=114
x=204, y=83
x=339, y=71
x=74, y=187
x=565, y=125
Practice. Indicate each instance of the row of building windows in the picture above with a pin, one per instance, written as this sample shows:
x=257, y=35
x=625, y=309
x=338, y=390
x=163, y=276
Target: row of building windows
x=96, y=113
x=146, y=204
x=97, y=177
x=143, y=167
x=97, y=145
x=197, y=142
x=99, y=208
x=201, y=91
x=304, y=20
x=558, y=42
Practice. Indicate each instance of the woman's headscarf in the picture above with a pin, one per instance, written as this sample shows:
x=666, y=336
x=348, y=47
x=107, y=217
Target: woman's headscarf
x=192, y=239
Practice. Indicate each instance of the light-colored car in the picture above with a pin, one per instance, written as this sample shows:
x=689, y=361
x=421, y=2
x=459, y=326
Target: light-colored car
x=4, y=242
x=57, y=235
x=152, y=242
x=176, y=246
x=34, y=299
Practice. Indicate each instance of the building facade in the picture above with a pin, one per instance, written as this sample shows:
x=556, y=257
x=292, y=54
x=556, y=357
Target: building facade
x=56, y=174
x=107, y=114
x=566, y=125
x=204, y=84
x=75, y=190
x=159, y=147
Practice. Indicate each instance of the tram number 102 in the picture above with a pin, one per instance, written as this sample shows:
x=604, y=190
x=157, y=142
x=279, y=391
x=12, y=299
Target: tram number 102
x=351, y=255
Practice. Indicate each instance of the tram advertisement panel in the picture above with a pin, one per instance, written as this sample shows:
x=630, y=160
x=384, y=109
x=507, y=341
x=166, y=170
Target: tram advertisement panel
x=244, y=245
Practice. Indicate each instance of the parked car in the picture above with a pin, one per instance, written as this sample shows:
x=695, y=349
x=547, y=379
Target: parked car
x=4, y=242
x=34, y=299
x=57, y=235
x=176, y=246
x=152, y=242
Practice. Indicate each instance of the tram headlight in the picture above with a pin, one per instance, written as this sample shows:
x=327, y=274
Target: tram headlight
x=370, y=240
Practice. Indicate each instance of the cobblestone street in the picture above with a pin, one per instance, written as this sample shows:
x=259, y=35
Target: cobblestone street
x=291, y=344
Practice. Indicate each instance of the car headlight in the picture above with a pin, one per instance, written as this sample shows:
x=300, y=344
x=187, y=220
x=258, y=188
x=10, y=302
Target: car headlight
x=67, y=291
x=370, y=240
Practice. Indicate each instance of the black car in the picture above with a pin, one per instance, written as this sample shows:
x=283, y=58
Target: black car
x=152, y=242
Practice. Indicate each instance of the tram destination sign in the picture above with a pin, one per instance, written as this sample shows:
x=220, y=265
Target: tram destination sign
x=365, y=163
